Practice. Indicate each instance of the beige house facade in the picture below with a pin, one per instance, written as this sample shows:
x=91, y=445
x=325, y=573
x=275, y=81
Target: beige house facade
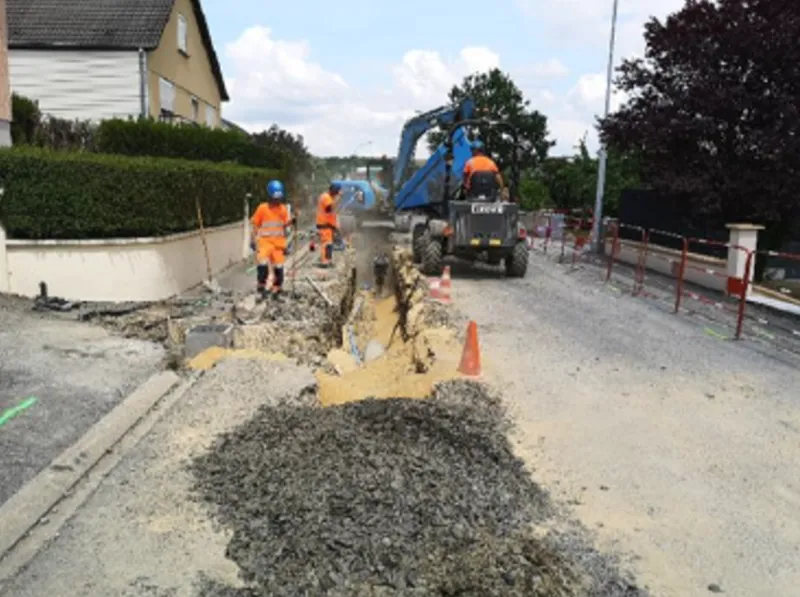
x=92, y=61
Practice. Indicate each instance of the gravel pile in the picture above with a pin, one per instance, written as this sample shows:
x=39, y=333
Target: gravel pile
x=381, y=497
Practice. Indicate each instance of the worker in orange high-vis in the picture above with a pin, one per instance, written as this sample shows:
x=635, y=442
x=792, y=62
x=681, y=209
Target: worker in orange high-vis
x=328, y=222
x=270, y=221
x=480, y=162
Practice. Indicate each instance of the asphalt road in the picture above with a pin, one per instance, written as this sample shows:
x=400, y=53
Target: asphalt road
x=57, y=378
x=678, y=447
x=139, y=534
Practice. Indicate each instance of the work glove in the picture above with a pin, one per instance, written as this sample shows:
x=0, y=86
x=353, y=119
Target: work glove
x=253, y=246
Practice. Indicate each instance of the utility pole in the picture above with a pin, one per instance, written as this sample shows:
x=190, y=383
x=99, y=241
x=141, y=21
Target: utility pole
x=5, y=87
x=603, y=157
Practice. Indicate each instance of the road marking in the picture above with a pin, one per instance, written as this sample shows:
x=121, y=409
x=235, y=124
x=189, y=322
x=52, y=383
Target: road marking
x=12, y=412
x=715, y=334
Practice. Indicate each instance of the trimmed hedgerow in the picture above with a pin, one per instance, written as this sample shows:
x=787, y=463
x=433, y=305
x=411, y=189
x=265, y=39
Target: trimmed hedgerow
x=79, y=195
x=184, y=141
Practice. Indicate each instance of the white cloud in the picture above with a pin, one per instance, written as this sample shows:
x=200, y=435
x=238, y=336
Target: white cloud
x=279, y=81
x=587, y=22
x=549, y=69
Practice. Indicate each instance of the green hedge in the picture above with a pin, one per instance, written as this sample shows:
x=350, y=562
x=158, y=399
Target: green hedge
x=184, y=141
x=79, y=195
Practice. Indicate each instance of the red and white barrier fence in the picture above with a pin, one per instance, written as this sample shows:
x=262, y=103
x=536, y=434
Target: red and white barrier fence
x=646, y=252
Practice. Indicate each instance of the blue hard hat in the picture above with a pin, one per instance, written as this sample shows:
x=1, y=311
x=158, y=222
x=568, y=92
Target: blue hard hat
x=275, y=189
x=335, y=187
x=476, y=145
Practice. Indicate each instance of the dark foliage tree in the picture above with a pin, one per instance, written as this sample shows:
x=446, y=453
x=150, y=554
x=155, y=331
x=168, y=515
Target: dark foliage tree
x=713, y=110
x=498, y=97
x=292, y=145
x=572, y=181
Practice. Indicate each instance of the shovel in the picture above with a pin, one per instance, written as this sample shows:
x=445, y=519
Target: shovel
x=211, y=283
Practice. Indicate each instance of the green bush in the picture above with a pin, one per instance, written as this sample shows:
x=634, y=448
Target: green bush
x=25, y=119
x=70, y=195
x=184, y=141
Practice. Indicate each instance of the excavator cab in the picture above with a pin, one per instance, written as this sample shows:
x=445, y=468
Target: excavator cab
x=476, y=223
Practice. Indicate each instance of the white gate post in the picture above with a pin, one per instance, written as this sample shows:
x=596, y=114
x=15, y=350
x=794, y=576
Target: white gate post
x=746, y=237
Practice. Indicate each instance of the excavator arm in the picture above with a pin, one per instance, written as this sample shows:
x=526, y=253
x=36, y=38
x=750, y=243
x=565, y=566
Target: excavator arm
x=444, y=116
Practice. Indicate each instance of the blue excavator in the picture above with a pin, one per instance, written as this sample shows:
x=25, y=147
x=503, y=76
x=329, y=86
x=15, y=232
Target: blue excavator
x=443, y=217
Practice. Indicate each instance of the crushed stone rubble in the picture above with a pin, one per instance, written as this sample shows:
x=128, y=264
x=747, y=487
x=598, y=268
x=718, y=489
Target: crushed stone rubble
x=381, y=497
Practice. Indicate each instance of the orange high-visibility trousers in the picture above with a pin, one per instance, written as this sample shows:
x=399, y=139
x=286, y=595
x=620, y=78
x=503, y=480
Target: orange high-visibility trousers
x=326, y=244
x=272, y=255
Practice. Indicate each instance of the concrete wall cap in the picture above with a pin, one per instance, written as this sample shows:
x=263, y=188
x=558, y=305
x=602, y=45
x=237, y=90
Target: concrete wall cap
x=744, y=226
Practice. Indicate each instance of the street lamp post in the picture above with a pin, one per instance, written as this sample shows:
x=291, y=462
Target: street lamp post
x=603, y=157
x=360, y=145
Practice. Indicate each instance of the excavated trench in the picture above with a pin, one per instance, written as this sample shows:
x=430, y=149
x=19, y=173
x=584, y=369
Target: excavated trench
x=395, y=479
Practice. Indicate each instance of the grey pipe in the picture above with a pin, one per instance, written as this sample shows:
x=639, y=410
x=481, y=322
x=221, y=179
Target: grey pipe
x=142, y=84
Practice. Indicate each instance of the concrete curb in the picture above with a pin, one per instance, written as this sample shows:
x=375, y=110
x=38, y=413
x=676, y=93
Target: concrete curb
x=25, y=508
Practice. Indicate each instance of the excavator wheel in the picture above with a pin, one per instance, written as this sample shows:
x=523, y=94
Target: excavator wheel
x=517, y=261
x=418, y=242
x=432, y=257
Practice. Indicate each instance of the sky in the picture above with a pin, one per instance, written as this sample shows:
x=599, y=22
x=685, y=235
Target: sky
x=346, y=75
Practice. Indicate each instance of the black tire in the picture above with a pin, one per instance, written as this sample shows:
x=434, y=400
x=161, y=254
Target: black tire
x=418, y=242
x=517, y=261
x=432, y=257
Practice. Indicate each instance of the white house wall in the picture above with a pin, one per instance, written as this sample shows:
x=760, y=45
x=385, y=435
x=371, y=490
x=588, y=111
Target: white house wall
x=84, y=85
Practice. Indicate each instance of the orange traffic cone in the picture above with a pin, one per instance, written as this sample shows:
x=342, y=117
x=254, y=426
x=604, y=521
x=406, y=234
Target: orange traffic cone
x=471, y=357
x=434, y=287
x=445, y=285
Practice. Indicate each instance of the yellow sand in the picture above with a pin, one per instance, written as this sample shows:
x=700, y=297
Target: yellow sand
x=211, y=356
x=393, y=374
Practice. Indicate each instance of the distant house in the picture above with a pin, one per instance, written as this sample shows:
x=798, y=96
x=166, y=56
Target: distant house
x=99, y=59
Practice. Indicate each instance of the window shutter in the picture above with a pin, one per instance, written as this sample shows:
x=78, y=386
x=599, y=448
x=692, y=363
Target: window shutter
x=166, y=92
x=182, y=46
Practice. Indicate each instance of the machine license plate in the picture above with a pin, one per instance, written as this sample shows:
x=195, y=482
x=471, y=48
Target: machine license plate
x=487, y=208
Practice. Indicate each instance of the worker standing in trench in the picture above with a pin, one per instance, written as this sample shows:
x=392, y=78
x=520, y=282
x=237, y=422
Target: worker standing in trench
x=328, y=222
x=268, y=238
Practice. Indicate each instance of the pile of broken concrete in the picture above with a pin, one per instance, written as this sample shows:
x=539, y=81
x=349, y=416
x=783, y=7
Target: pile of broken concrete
x=382, y=497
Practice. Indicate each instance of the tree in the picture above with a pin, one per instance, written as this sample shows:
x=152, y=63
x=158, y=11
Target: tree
x=497, y=97
x=713, y=112
x=533, y=193
x=572, y=181
x=292, y=145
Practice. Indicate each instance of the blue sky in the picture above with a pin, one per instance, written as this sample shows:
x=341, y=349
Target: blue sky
x=349, y=73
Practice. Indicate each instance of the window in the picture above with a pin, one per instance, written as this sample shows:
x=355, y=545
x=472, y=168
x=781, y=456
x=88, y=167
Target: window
x=211, y=116
x=166, y=96
x=182, y=43
x=195, y=110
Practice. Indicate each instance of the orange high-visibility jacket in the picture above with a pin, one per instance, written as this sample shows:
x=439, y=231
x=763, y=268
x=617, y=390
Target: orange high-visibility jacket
x=326, y=212
x=270, y=221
